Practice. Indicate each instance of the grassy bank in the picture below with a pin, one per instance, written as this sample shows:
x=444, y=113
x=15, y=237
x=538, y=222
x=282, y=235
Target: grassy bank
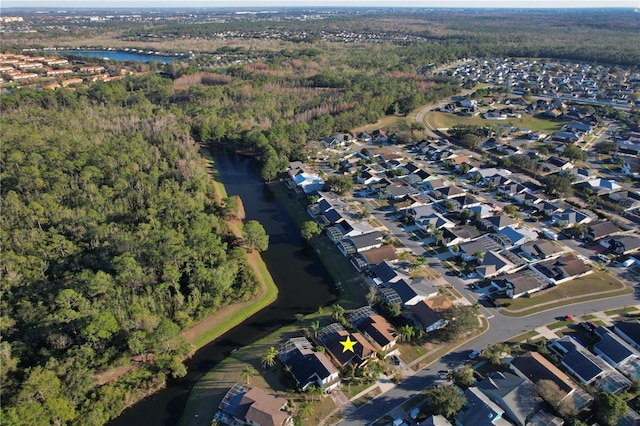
x=230, y=316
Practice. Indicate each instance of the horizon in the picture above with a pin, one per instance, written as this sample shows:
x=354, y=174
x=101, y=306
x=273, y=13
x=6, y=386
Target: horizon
x=278, y=4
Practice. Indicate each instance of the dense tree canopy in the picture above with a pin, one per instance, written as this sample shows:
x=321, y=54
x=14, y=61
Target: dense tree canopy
x=111, y=244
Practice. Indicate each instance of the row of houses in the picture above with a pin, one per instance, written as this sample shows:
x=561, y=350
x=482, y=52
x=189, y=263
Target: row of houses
x=510, y=398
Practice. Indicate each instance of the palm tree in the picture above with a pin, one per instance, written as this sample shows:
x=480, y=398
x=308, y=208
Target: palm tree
x=439, y=236
x=337, y=312
x=247, y=373
x=314, y=390
x=305, y=410
x=406, y=332
x=315, y=326
x=269, y=358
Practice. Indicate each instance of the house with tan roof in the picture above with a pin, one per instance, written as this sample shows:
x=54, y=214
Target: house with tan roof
x=331, y=337
x=381, y=334
x=254, y=406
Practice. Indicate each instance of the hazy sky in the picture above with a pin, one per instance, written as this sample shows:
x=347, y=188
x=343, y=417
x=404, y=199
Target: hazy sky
x=311, y=3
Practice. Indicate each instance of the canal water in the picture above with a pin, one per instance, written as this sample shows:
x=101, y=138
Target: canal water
x=303, y=283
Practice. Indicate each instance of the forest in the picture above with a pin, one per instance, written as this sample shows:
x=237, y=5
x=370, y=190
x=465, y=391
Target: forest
x=112, y=243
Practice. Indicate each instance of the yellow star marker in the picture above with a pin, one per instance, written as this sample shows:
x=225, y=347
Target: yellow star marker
x=348, y=345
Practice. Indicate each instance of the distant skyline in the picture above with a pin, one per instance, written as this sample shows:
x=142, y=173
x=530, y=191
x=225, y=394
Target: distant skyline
x=138, y=4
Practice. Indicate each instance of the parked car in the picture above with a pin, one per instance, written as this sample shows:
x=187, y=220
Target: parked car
x=474, y=354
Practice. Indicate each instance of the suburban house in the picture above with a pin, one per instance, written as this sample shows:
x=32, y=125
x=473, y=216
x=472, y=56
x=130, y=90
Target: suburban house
x=573, y=217
x=622, y=244
x=480, y=410
x=562, y=269
x=381, y=334
x=366, y=259
x=427, y=217
x=542, y=249
x=629, y=331
x=601, y=229
x=413, y=291
x=383, y=273
x=602, y=186
x=464, y=202
x=254, y=406
x=515, y=395
x=307, y=366
x=536, y=367
x=360, y=243
x=586, y=367
x=557, y=163
x=496, y=181
x=486, y=243
x=518, y=284
x=512, y=190
x=628, y=199
x=499, y=222
x=338, y=140
x=481, y=210
x=331, y=337
x=580, y=175
x=460, y=234
x=618, y=353
x=308, y=181
x=494, y=263
x=425, y=317
x=447, y=192
x=489, y=172
x=434, y=185
x=519, y=236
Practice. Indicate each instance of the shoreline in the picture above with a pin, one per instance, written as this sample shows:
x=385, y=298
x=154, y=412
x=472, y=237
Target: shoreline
x=223, y=320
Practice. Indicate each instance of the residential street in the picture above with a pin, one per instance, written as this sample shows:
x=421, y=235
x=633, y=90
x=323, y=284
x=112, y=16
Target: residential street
x=500, y=329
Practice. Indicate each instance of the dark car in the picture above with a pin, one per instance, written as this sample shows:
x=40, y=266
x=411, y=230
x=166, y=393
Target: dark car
x=396, y=360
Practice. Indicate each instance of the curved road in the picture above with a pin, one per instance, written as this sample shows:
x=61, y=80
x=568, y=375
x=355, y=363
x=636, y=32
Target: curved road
x=500, y=329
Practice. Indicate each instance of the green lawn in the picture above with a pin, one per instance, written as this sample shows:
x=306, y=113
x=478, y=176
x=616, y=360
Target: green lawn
x=445, y=120
x=619, y=311
x=590, y=287
x=560, y=324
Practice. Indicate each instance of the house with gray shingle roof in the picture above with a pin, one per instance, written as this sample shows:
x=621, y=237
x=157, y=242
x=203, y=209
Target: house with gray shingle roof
x=515, y=395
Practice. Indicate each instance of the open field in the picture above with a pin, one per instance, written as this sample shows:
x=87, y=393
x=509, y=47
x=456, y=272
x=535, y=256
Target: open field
x=443, y=120
x=386, y=121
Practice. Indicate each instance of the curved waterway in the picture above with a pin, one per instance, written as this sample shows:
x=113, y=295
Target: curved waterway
x=303, y=283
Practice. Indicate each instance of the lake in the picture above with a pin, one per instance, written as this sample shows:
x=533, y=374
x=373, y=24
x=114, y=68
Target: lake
x=118, y=55
x=303, y=283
